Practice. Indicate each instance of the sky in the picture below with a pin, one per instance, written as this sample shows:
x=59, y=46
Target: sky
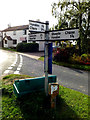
x=19, y=12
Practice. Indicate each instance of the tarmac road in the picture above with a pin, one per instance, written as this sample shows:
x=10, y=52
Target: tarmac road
x=19, y=63
x=71, y=78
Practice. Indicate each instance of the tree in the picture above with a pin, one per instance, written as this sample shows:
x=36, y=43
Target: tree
x=74, y=14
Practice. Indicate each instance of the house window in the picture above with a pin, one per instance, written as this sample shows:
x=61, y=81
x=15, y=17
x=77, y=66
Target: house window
x=4, y=34
x=5, y=41
x=24, y=32
x=14, y=32
x=14, y=41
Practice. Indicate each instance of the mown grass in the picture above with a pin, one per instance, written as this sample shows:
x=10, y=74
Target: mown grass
x=71, y=104
x=76, y=66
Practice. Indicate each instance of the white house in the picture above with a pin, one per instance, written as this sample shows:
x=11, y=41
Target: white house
x=0, y=39
x=14, y=35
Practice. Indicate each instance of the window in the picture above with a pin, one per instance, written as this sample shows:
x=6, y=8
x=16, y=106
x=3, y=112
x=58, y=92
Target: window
x=4, y=34
x=24, y=32
x=14, y=32
x=5, y=41
x=14, y=41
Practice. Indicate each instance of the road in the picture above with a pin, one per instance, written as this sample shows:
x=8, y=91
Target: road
x=13, y=63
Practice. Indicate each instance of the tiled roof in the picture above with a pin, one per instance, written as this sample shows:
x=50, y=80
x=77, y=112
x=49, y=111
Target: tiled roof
x=22, y=27
x=8, y=37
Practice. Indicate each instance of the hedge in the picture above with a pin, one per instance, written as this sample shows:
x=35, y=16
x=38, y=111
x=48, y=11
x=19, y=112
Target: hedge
x=27, y=47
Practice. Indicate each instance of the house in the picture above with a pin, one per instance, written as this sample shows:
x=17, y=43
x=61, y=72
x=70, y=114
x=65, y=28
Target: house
x=0, y=39
x=17, y=34
x=14, y=35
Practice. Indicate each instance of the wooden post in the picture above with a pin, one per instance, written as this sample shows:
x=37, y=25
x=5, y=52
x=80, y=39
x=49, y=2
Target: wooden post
x=53, y=91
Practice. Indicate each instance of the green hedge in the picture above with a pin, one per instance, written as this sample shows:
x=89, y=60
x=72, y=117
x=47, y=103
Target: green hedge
x=27, y=47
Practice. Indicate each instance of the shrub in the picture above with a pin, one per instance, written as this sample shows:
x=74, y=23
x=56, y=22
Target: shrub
x=61, y=55
x=85, y=57
x=72, y=50
x=75, y=59
x=27, y=47
x=19, y=47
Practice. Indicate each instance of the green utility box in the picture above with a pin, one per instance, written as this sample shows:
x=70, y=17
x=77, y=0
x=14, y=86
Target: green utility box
x=25, y=86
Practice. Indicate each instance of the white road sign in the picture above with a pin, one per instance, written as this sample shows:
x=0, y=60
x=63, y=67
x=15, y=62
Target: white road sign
x=36, y=26
x=64, y=34
x=55, y=35
x=39, y=36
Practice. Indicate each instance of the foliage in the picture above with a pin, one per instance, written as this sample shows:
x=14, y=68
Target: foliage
x=61, y=55
x=83, y=59
x=75, y=59
x=64, y=54
x=27, y=47
x=74, y=14
x=71, y=104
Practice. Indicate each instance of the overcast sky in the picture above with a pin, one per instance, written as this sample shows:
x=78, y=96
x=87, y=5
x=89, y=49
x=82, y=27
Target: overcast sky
x=19, y=12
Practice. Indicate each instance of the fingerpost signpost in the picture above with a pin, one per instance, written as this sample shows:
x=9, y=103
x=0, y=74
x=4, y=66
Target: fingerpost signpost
x=39, y=31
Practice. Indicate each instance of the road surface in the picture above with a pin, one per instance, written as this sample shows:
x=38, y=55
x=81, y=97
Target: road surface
x=13, y=63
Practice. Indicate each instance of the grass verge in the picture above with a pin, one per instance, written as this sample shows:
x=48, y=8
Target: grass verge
x=71, y=105
x=10, y=49
x=76, y=66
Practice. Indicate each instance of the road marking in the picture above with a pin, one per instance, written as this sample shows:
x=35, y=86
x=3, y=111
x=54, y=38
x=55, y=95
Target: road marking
x=77, y=74
x=10, y=68
x=13, y=65
x=16, y=72
x=81, y=86
x=6, y=71
x=19, y=66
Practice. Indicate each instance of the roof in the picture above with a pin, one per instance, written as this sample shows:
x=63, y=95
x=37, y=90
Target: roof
x=22, y=27
x=8, y=37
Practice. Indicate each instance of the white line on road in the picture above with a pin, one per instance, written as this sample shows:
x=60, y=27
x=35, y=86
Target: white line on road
x=16, y=72
x=9, y=68
x=19, y=66
x=6, y=71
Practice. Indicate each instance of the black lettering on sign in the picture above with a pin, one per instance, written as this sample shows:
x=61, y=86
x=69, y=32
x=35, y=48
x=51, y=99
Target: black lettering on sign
x=54, y=37
x=56, y=33
x=34, y=24
x=32, y=37
x=71, y=36
x=70, y=32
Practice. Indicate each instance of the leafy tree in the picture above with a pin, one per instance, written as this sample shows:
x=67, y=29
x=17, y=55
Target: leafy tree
x=74, y=14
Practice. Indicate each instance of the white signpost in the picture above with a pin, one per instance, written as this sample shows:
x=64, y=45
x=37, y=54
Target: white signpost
x=37, y=37
x=36, y=26
x=68, y=34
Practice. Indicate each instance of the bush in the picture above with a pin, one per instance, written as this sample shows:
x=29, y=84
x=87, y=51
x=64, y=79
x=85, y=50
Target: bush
x=27, y=47
x=83, y=59
x=61, y=55
x=75, y=59
x=72, y=50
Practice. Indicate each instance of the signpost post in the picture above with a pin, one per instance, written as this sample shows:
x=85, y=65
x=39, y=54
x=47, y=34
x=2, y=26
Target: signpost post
x=46, y=57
